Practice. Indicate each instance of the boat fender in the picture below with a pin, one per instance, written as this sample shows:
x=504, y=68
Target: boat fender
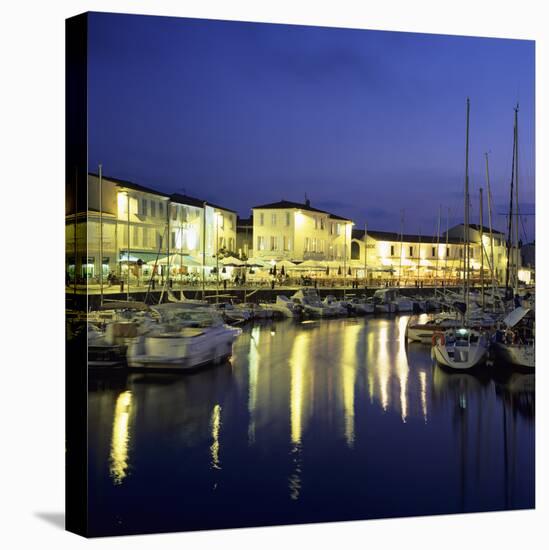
x=438, y=336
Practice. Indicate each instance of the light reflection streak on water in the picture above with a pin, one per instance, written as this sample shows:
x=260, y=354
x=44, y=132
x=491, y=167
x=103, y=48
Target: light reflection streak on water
x=215, y=424
x=299, y=365
x=370, y=365
x=401, y=361
x=253, y=359
x=423, y=390
x=381, y=364
x=349, y=375
x=120, y=438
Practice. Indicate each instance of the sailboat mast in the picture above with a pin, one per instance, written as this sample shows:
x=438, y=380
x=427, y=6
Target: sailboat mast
x=510, y=217
x=481, y=253
x=401, y=239
x=466, y=216
x=437, y=249
x=491, y=235
x=517, y=250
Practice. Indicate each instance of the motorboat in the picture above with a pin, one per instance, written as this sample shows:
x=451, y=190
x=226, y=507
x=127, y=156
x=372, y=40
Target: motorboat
x=362, y=306
x=514, y=343
x=309, y=299
x=234, y=313
x=460, y=348
x=339, y=307
x=193, y=338
x=383, y=300
x=423, y=330
x=286, y=307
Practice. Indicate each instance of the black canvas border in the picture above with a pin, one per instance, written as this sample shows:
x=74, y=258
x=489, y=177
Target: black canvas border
x=76, y=383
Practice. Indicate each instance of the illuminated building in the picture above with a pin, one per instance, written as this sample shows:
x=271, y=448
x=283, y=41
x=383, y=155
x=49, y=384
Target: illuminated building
x=298, y=232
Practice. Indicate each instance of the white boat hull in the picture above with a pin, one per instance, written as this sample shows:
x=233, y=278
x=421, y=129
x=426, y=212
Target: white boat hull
x=516, y=354
x=173, y=351
x=460, y=357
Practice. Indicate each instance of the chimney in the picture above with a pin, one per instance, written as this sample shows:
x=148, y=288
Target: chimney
x=307, y=201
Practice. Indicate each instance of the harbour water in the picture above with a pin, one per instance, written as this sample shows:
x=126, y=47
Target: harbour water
x=311, y=421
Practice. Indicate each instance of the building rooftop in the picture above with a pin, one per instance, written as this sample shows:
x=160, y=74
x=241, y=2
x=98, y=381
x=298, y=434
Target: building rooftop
x=391, y=236
x=286, y=205
x=476, y=227
x=193, y=201
x=131, y=185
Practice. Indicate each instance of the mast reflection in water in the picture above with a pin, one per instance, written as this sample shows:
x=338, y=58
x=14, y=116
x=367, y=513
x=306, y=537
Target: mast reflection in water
x=327, y=420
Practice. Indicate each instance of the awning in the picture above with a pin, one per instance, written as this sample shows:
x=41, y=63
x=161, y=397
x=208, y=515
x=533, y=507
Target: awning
x=177, y=260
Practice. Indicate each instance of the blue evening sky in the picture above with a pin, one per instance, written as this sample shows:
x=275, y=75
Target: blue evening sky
x=366, y=123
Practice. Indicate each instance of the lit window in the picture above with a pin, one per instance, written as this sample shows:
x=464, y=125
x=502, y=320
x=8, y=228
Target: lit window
x=411, y=251
x=433, y=251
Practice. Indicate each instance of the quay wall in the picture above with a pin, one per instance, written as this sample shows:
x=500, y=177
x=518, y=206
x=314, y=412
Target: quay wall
x=92, y=301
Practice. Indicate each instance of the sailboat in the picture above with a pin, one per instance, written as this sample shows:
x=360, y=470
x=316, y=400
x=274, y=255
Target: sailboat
x=514, y=343
x=462, y=347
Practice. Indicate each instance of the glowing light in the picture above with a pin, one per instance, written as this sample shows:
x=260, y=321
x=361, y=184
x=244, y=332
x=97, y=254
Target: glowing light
x=120, y=438
x=192, y=238
x=299, y=218
x=215, y=423
x=122, y=198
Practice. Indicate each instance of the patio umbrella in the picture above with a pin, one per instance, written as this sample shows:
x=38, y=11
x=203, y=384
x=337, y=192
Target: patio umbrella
x=339, y=270
x=274, y=269
x=327, y=270
x=349, y=271
x=282, y=271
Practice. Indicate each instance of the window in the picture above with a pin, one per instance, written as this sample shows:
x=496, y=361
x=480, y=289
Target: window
x=144, y=207
x=286, y=243
x=173, y=239
x=161, y=209
x=331, y=228
x=433, y=251
x=135, y=237
x=262, y=219
x=221, y=220
x=261, y=243
x=307, y=244
x=322, y=223
x=411, y=251
x=392, y=250
x=338, y=229
x=145, y=237
x=316, y=222
x=153, y=209
x=174, y=211
x=273, y=243
x=461, y=252
x=448, y=252
x=287, y=219
x=158, y=240
x=273, y=219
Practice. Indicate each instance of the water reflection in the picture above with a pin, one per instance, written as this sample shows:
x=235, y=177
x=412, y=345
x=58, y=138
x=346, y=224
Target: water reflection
x=215, y=423
x=308, y=415
x=120, y=437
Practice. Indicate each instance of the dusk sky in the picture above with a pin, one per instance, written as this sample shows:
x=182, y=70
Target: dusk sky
x=366, y=123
